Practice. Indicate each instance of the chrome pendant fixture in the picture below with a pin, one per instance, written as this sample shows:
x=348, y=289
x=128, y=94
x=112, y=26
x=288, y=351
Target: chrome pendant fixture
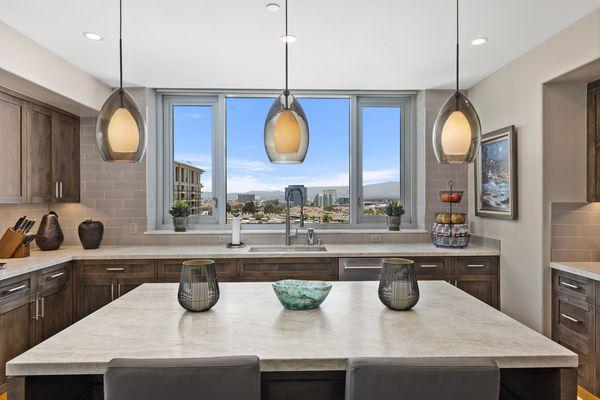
x=286, y=127
x=120, y=130
x=457, y=130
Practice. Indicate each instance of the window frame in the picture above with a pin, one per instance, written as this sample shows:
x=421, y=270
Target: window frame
x=166, y=99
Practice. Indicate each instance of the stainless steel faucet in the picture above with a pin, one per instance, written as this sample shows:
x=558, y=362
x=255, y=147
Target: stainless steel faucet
x=288, y=234
x=310, y=236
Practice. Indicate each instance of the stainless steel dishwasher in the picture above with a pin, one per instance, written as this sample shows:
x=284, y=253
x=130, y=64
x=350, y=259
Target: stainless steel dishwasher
x=360, y=269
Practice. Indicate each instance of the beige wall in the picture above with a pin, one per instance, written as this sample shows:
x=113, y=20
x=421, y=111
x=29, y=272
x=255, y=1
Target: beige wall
x=514, y=95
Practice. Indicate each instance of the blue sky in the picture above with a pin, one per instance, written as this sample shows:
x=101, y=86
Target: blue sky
x=327, y=160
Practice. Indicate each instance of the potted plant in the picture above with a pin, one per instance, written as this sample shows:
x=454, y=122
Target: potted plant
x=180, y=213
x=394, y=212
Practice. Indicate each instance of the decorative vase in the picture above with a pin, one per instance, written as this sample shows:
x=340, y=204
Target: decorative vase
x=393, y=222
x=198, y=286
x=90, y=234
x=180, y=224
x=49, y=235
x=398, y=287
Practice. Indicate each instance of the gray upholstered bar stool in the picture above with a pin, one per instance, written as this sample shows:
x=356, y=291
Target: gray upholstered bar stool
x=218, y=378
x=422, y=379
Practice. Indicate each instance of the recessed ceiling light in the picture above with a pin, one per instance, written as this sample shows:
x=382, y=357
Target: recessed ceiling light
x=273, y=7
x=93, y=36
x=478, y=41
x=288, y=39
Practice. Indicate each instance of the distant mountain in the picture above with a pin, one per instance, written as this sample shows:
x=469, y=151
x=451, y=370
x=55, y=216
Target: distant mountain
x=386, y=190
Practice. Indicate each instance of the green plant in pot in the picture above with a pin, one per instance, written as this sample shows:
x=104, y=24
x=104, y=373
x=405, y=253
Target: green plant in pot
x=180, y=213
x=394, y=212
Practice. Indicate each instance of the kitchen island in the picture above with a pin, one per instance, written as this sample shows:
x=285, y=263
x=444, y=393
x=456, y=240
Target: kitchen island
x=301, y=352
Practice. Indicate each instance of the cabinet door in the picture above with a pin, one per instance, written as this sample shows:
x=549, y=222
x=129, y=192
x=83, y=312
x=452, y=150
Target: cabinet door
x=11, y=150
x=593, y=141
x=39, y=154
x=483, y=287
x=93, y=294
x=55, y=311
x=65, y=158
x=125, y=285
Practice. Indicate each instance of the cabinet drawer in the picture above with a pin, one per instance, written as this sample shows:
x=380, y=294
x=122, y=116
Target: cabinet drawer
x=54, y=276
x=116, y=269
x=476, y=266
x=430, y=266
x=16, y=289
x=297, y=268
x=574, y=323
x=573, y=285
x=170, y=270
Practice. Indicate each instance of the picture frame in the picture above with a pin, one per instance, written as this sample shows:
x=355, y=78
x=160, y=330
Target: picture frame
x=496, y=175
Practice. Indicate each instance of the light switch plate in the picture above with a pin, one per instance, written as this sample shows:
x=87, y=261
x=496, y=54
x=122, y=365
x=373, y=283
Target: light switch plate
x=133, y=228
x=375, y=238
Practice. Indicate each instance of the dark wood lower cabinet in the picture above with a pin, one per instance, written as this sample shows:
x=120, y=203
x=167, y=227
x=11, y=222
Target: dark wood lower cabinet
x=93, y=294
x=483, y=287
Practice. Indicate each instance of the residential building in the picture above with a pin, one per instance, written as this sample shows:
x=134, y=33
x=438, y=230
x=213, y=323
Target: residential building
x=187, y=186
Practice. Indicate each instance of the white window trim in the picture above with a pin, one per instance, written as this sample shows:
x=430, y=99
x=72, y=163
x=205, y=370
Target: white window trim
x=217, y=98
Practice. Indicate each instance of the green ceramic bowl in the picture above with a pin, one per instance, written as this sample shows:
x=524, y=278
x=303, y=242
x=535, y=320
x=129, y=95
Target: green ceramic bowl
x=301, y=295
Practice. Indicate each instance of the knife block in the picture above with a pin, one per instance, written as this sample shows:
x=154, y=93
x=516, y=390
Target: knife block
x=11, y=245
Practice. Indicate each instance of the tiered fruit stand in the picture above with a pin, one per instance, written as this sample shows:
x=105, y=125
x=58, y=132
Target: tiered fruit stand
x=450, y=229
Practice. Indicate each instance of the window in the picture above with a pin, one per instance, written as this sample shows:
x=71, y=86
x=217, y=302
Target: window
x=256, y=188
x=359, y=159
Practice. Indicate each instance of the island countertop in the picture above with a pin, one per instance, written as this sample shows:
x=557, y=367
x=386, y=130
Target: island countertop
x=43, y=259
x=248, y=319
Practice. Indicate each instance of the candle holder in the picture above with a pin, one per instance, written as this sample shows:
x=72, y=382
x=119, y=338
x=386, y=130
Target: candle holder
x=198, y=286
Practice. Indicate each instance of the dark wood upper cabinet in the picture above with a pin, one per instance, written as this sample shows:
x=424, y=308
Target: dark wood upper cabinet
x=593, y=141
x=65, y=158
x=11, y=151
x=39, y=156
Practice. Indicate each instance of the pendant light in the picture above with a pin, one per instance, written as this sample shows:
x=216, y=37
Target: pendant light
x=286, y=127
x=457, y=130
x=120, y=130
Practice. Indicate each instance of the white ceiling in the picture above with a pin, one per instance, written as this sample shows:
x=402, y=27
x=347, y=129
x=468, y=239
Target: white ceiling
x=343, y=44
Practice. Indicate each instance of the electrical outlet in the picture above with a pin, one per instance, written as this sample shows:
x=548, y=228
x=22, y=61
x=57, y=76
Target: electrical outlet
x=471, y=227
x=375, y=238
x=223, y=239
x=133, y=228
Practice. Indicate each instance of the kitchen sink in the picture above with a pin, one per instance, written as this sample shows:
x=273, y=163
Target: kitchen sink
x=286, y=249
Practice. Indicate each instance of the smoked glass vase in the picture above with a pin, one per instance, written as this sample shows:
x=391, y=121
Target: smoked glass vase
x=198, y=286
x=398, y=287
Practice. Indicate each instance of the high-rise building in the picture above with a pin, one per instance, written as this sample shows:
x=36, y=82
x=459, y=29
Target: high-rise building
x=187, y=186
x=327, y=199
x=244, y=197
x=295, y=198
x=332, y=193
x=343, y=201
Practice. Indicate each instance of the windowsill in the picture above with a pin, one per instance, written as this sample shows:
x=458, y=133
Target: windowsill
x=406, y=231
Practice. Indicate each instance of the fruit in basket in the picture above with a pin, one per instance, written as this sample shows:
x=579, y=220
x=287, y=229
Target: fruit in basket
x=456, y=197
x=442, y=218
x=447, y=197
x=458, y=218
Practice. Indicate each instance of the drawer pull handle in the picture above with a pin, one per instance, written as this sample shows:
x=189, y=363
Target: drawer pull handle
x=429, y=265
x=571, y=286
x=358, y=266
x=575, y=320
x=115, y=269
x=57, y=275
x=16, y=289
x=475, y=266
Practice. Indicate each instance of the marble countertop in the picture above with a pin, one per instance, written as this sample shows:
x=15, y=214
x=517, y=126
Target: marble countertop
x=248, y=319
x=587, y=269
x=40, y=259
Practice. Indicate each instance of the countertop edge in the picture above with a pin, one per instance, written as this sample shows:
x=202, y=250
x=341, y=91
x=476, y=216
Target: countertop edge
x=288, y=365
x=48, y=259
x=576, y=270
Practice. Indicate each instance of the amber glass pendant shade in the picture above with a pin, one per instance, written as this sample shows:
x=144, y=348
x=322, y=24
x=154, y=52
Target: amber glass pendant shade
x=456, y=131
x=286, y=131
x=120, y=130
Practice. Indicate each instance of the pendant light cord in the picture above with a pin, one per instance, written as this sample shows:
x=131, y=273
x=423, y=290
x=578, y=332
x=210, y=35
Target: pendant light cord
x=457, y=53
x=286, y=92
x=121, y=49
